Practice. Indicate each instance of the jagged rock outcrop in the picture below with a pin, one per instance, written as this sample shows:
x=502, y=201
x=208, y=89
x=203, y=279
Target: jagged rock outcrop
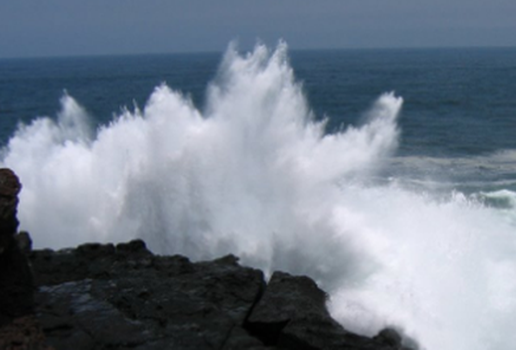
x=16, y=288
x=292, y=314
x=120, y=297
x=106, y=296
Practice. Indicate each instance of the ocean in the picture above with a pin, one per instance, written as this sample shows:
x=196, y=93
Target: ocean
x=388, y=176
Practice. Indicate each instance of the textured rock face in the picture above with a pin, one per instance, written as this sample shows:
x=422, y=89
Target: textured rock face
x=120, y=297
x=105, y=296
x=292, y=314
x=23, y=333
x=16, y=287
x=9, y=188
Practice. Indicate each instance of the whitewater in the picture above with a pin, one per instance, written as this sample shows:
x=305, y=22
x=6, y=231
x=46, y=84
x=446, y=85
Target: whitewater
x=256, y=174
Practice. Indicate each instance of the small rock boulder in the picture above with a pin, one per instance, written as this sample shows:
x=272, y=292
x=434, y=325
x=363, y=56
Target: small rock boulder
x=292, y=314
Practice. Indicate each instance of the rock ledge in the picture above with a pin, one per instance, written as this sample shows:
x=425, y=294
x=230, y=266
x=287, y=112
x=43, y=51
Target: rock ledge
x=100, y=296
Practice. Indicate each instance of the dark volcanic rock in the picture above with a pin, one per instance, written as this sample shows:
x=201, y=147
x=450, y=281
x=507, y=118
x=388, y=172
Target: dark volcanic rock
x=9, y=189
x=16, y=286
x=102, y=296
x=23, y=333
x=292, y=314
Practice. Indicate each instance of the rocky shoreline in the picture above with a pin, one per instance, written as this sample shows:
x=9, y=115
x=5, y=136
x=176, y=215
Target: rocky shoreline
x=106, y=296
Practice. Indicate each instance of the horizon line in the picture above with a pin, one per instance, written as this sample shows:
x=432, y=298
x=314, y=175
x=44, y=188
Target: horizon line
x=221, y=52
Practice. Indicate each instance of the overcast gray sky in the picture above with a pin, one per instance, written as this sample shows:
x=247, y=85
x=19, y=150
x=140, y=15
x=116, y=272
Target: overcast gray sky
x=92, y=27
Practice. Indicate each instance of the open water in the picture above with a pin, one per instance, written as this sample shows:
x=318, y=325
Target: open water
x=388, y=176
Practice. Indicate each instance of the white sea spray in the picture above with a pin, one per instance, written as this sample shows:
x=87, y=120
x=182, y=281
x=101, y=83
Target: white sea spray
x=254, y=174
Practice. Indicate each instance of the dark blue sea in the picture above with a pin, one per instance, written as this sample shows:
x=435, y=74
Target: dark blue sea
x=458, y=103
x=387, y=175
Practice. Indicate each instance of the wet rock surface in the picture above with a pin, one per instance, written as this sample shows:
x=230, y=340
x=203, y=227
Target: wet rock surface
x=292, y=314
x=105, y=296
x=124, y=297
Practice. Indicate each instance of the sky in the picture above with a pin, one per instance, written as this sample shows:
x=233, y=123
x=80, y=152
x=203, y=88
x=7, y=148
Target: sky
x=107, y=27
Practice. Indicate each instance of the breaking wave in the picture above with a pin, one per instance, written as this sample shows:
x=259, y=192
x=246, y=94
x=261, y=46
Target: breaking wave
x=255, y=174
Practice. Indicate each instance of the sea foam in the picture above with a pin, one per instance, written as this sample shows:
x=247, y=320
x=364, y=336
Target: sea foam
x=255, y=174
